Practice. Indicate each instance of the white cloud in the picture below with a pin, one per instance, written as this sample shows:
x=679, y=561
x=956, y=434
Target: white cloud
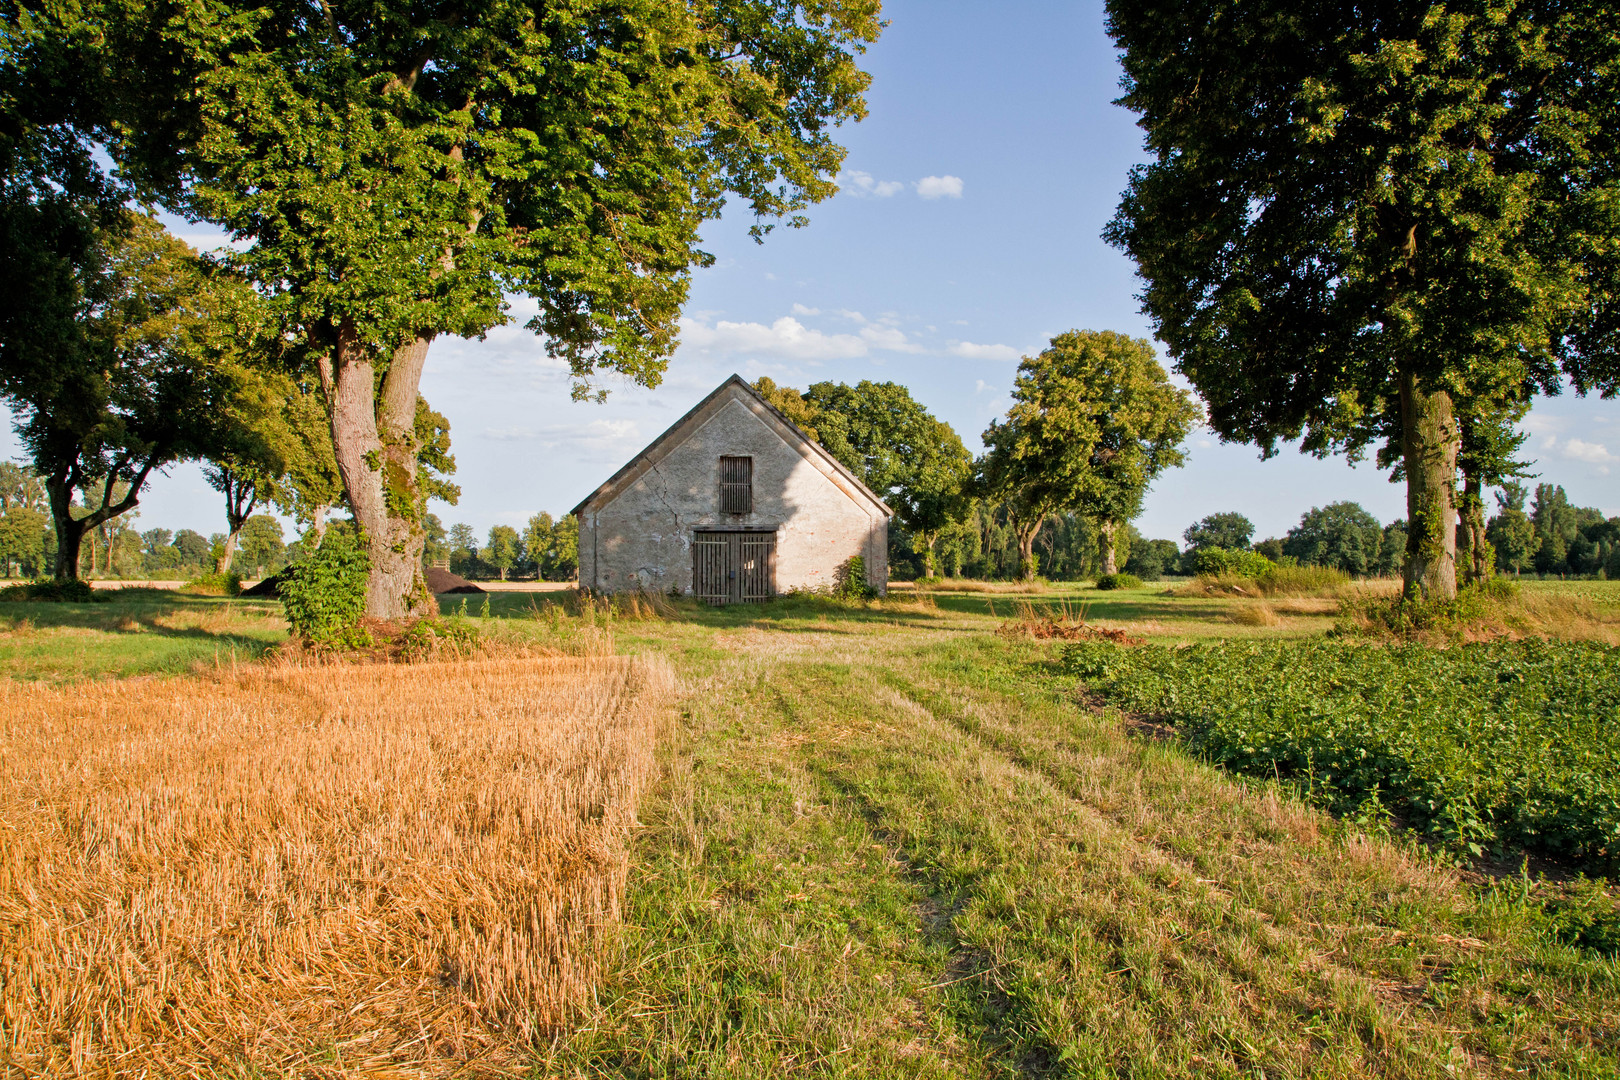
x=888, y=337
x=863, y=184
x=1581, y=450
x=852, y=316
x=982, y=352
x=800, y=309
x=786, y=337
x=980, y=386
x=593, y=439
x=935, y=187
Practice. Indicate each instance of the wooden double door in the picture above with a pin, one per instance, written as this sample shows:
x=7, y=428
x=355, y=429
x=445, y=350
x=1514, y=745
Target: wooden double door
x=733, y=567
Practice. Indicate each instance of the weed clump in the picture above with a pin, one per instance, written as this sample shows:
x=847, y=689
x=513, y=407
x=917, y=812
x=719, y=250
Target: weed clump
x=851, y=583
x=1061, y=622
x=1119, y=581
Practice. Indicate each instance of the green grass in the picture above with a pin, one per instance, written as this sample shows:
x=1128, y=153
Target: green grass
x=906, y=849
x=136, y=632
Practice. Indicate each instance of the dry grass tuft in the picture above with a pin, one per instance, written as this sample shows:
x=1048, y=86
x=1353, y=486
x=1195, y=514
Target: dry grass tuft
x=1255, y=614
x=1502, y=610
x=320, y=871
x=1297, y=581
x=967, y=585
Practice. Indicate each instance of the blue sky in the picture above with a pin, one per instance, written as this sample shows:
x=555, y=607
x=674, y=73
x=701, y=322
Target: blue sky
x=966, y=235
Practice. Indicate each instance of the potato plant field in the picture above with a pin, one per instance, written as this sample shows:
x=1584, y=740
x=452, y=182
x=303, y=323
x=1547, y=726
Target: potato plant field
x=1480, y=745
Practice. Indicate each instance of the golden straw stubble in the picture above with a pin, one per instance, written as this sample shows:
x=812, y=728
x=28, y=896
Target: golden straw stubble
x=324, y=871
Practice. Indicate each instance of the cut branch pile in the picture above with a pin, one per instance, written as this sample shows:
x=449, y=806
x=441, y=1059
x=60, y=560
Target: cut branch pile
x=1062, y=623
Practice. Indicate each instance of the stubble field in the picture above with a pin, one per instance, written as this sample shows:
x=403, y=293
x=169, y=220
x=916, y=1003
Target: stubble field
x=315, y=871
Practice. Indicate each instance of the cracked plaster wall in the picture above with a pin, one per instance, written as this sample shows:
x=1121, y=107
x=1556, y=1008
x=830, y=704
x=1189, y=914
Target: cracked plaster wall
x=642, y=538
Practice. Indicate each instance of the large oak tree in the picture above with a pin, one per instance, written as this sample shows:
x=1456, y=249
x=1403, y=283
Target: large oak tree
x=1375, y=223
x=398, y=169
x=1094, y=420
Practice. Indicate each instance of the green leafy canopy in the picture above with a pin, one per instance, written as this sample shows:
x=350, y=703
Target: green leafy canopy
x=1339, y=193
x=399, y=170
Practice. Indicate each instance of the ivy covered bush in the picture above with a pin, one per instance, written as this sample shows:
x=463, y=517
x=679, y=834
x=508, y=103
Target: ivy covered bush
x=851, y=582
x=324, y=593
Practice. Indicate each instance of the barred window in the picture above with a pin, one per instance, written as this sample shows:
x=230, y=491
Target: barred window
x=736, y=485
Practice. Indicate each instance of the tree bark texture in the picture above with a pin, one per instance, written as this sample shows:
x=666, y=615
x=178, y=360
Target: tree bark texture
x=374, y=436
x=1026, y=533
x=1477, y=554
x=1110, y=535
x=1430, y=442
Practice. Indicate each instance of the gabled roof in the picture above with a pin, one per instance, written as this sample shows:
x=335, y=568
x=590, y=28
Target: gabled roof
x=735, y=388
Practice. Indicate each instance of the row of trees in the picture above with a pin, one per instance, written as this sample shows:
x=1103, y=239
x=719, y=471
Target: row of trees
x=114, y=548
x=1555, y=538
x=388, y=175
x=1094, y=420
x=546, y=549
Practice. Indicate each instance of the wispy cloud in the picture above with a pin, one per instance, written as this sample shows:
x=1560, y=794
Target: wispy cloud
x=891, y=338
x=786, y=337
x=865, y=184
x=800, y=309
x=593, y=436
x=971, y=351
x=940, y=187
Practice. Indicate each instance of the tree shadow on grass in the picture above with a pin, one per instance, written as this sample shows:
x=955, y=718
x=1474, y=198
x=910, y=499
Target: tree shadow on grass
x=141, y=612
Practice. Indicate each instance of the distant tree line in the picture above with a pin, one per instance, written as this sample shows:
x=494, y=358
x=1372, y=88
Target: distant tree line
x=113, y=548
x=1093, y=422
x=547, y=549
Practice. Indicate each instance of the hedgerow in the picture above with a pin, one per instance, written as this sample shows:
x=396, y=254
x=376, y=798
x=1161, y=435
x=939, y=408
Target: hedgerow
x=1477, y=746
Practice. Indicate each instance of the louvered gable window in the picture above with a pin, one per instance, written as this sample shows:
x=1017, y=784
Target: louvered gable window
x=736, y=485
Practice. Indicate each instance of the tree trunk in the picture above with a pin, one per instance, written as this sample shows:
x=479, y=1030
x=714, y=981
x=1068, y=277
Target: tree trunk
x=374, y=436
x=69, y=532
x=228, y=551
x=1026, y=534
x=928, y=555
x=1478, y=555
x=1110, y=532
x=1430, y=441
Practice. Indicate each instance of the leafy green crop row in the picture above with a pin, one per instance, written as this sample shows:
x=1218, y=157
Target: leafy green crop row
x=1478, y=745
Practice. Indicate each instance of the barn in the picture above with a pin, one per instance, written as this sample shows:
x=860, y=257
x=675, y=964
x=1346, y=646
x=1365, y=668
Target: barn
x=734, y=503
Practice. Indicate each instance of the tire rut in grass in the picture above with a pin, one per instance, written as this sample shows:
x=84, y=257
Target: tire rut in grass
x=1452, y=961
x=1177, y=953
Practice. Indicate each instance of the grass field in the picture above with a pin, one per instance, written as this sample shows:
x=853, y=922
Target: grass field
x=888, y=841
